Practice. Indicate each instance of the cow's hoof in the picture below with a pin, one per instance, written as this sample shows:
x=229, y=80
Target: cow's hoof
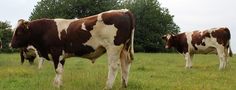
x=124, y=84
x=57, y=83
x=188, y=67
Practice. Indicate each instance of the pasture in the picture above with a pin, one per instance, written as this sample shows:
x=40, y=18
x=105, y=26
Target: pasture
x=149, y=71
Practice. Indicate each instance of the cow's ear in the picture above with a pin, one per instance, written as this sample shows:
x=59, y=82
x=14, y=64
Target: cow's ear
x=26, y=24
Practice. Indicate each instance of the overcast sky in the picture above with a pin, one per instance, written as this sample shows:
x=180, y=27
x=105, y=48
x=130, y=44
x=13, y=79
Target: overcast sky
x=192, y=15
x=189, y=15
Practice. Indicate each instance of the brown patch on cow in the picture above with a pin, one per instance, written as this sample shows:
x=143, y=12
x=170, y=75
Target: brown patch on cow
x=76, y=38
x=179, y=42
x=89, y=22
x=123, y=21
x=197, y=38
x=222, y=36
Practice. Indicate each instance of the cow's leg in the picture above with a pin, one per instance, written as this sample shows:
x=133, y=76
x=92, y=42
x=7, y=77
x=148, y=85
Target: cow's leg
x=125, y=66
x=40, y=62
x=188, y=60
x=226, y=54
x=31, y=61
x=113, y=64
x=22, y=58
x=191, y=60
x=221, y=55
x=58, y=65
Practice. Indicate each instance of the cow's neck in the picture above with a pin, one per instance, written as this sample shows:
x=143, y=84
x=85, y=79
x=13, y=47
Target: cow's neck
x=38, y=30
x=180, y=43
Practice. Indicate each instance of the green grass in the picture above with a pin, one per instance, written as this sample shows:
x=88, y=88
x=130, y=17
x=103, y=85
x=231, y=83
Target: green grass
x=149, y=71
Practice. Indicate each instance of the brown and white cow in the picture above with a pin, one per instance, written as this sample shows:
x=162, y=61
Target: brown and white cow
x=207, y=41
x=29, y=53
x=90, y=37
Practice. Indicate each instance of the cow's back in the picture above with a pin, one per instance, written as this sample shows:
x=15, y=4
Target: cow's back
x=206, y=41
x=92, y=35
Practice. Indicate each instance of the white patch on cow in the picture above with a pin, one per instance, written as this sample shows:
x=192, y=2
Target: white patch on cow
x=62, y=56
x=50, y=56
x=102, y=33
x=99, y=18
x=168, y=37
x=189, y=40
x=113, y=53
x=83, y=27
x=40, y=61
x=121, y=10
x=63, y=24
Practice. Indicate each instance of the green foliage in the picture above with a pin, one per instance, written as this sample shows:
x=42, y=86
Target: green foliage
x=161, y=71
x=152, y=21
x=70, y=8
x=5, y=36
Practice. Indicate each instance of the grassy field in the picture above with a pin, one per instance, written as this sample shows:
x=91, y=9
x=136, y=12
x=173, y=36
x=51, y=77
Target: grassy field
x=155, y=71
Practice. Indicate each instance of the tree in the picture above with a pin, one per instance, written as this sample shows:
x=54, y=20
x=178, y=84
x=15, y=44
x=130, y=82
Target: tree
x=70, y=8
x=152, y=22
x=5, y=36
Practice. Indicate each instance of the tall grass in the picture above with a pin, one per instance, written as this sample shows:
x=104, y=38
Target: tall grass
x=149, y=71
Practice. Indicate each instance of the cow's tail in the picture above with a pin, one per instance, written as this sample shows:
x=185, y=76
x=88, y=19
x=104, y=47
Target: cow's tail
x=131, y=49
x=230, y=51
x=127, y=52
x=229, y=36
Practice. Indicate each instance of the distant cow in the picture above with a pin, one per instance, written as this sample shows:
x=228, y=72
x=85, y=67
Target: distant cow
x=90, y=37
x=29, y=53
x=211, y=40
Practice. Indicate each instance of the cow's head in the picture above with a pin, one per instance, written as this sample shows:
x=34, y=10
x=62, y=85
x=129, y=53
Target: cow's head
x=21, y=35
x=168, y=38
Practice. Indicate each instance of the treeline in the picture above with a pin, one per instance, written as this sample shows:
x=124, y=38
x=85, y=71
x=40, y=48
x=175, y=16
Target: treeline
x=5, y=36
x=152, y=20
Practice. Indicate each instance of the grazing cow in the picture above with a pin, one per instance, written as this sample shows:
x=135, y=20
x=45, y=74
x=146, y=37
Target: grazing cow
x=211, y=40
x=28, y=53
x=90, y=37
